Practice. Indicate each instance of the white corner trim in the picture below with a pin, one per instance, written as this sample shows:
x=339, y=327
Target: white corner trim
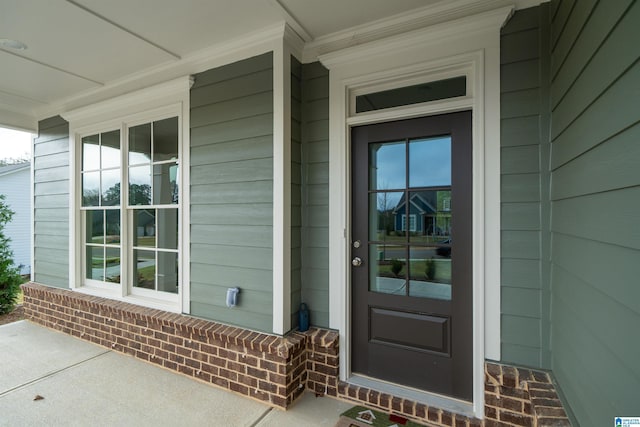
x=185, y=202
x=32, y=209
x=293, y=42
x=281, y=189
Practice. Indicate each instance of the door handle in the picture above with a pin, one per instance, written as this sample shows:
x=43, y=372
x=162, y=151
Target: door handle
x=356, y=262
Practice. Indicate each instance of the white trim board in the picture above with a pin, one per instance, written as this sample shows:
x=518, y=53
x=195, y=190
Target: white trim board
x=471, y=45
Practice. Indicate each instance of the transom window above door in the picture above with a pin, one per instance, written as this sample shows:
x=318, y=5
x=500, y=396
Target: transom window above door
x=409, y=95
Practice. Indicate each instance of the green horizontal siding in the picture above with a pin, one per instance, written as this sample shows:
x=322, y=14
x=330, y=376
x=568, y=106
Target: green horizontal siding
x=296, y=189
x=595, y=196
x=51, y=203
x=315, y=190
x=231, y=201
x=524, y=186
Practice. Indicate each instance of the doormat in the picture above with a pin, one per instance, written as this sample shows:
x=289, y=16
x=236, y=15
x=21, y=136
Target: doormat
x=359, y=416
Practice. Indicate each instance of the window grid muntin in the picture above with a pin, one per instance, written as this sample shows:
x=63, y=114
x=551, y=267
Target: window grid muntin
x=124, y=206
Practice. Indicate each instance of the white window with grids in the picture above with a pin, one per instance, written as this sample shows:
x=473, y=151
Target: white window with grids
x=131, y=231
x=128, y=213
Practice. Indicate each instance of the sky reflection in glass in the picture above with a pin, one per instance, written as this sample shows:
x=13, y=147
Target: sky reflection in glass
x=429, y=164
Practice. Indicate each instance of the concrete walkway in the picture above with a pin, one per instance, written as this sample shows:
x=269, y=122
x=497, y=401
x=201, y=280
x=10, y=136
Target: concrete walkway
x=86, y=385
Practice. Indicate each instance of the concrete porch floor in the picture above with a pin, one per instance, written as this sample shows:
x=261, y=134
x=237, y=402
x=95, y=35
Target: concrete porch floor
x=83, y=384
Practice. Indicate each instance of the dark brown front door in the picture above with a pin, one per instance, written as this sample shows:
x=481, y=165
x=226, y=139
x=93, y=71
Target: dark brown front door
x=411, y=253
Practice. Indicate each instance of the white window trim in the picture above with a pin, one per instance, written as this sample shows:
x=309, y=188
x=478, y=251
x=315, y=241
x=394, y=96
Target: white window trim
x=167, y=99
x=471, y=44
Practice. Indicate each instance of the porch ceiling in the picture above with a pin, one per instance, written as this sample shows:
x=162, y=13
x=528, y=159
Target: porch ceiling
x=81, y=51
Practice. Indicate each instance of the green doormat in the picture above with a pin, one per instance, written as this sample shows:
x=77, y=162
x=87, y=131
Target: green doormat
x=359, y=416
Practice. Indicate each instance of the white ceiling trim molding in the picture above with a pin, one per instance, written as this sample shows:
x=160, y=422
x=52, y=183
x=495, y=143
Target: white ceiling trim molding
x=428, y=16
x=425, y=37
x=292, y=21
x=252, y=44
x=131, y=103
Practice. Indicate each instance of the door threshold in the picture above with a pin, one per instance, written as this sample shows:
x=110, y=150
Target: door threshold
x=450, y=404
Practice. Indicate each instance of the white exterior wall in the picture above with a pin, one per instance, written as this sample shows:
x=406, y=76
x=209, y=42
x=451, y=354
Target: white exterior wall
x=16, y=186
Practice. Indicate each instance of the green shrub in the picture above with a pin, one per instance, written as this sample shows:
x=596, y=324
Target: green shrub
x=396, y=266
x=10, y=278
x=430, y=269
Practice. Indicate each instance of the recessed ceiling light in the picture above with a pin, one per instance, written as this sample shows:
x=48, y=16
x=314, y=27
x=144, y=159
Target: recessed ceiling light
x=12, y=44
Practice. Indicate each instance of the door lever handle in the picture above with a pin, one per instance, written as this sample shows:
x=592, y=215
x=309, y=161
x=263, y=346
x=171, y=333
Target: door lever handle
x=356, y=262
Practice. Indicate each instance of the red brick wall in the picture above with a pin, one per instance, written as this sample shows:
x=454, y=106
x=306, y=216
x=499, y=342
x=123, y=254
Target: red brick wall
x=265, y=367
x=273, y=369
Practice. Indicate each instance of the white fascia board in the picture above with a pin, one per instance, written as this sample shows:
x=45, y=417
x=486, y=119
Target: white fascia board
x=26, y=165
x=18, y=121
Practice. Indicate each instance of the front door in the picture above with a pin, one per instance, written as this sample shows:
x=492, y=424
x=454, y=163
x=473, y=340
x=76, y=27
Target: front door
x=412, y=253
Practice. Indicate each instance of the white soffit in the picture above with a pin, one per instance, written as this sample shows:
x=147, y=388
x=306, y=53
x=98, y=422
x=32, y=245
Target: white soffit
x=83, y=51
x=186, y=26
x=64, y=36
x=35, y=83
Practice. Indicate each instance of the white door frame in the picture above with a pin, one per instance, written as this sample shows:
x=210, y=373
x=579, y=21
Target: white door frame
x=468, y=46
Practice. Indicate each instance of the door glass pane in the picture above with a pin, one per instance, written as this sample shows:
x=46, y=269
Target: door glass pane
x=95, y=226
x=430, y=216
x=91, y=152
x=387, y=166
x=165, y=139
x=144, y=224
x=110, y=150
x=430, y=275
x=165, y=184
x=167, y=228
x=111, y=187
x=140, y=185
x=95, y=262
x=387, y=269
x=112, y=263
x=90, y=189
x=383, y=215
x=168, y=272
x=144, y=269
x=113, y=227
x=430, y=162
x=140, y=144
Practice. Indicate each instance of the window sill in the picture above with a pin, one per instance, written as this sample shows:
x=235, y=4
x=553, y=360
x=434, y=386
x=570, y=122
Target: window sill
x=170, y=304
